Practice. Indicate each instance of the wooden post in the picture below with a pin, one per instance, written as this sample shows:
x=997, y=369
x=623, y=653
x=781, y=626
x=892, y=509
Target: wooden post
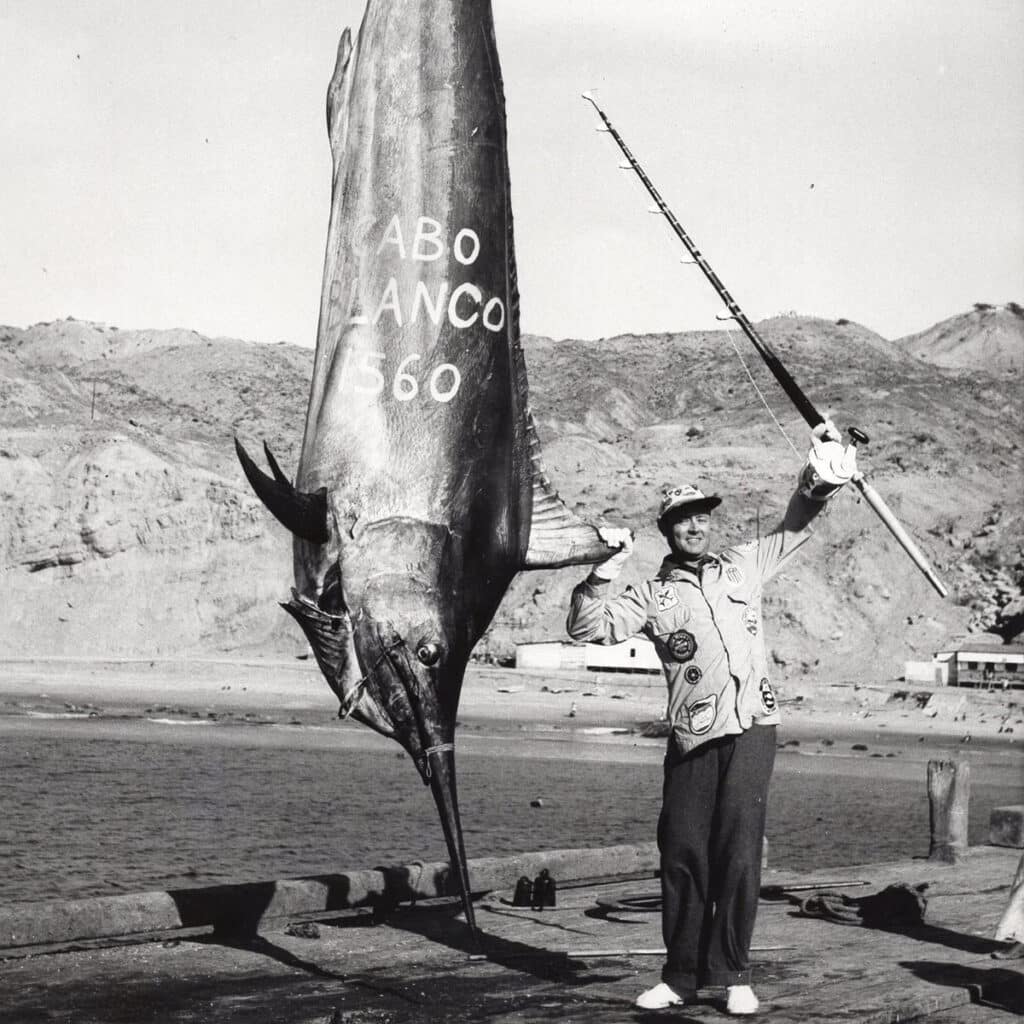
x=949, y=792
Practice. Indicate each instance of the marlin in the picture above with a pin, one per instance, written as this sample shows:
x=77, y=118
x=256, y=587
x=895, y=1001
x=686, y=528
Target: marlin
x=420, y=491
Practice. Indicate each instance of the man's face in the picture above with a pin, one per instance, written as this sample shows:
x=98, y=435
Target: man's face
x=691, y=537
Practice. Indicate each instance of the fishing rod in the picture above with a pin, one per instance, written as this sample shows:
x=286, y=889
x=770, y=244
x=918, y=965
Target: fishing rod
x=793, y=390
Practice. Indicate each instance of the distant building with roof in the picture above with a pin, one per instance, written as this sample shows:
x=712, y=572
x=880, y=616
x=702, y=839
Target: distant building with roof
x=634, y=655
x=980, y=661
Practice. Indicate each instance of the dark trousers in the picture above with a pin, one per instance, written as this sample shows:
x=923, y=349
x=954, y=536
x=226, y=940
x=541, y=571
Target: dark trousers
x=709, y=835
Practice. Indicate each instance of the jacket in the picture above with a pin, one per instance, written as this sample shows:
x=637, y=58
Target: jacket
x=706, y=626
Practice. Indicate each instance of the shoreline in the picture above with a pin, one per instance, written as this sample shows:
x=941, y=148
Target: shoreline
x=224, y=690
x=508, y=713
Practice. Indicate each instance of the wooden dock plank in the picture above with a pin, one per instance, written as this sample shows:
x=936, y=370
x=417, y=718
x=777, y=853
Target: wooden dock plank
x=415, y=966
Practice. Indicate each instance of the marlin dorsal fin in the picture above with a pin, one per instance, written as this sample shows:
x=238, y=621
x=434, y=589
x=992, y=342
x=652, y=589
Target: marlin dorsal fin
x=558, y=537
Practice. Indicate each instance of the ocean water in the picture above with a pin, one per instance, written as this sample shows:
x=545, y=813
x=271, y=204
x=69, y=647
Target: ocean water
x=164, y=806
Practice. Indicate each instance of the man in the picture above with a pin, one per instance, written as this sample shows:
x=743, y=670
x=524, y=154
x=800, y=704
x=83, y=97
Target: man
x=703, y=613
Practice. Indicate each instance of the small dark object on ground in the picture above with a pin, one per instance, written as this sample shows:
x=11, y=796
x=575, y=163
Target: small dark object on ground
x=523, y=896
x=859, y=746
x=361, y=1017
x=896, y=906
x=544, y=890
x=303, y=930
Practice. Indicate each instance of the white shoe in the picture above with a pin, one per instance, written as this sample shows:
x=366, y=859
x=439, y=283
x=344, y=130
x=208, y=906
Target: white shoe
x=658, y=998
x=741, y=1001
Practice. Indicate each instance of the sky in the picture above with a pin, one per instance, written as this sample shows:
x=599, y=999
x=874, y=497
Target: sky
x=167, y=164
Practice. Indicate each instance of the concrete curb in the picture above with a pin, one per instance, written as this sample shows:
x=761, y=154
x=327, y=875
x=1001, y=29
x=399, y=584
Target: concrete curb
x=244, y=908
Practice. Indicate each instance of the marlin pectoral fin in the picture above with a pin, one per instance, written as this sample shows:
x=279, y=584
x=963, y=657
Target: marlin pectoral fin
x=304, y=514
x=330, y=638
x=558, y=537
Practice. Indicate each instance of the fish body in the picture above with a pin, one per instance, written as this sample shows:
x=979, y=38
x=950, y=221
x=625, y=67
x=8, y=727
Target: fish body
x=420, y=492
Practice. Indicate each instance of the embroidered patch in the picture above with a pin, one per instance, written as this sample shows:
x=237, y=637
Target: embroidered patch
x=702, y=714
x=692, y=674
x=768, y=701
x=750, y=620
x=682, y=645
x=734, y=574
x=666, y=598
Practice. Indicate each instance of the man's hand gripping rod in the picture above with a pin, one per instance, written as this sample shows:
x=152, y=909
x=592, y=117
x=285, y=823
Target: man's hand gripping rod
x=800, y=400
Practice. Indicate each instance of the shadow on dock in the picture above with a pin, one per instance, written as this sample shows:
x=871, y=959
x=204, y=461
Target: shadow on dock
x=285, y=951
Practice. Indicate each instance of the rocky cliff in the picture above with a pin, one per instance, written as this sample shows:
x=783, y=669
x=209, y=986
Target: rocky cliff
x=126, y=527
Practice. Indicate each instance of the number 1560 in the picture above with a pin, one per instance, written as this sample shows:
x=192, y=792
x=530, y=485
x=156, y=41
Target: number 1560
x=362, y=371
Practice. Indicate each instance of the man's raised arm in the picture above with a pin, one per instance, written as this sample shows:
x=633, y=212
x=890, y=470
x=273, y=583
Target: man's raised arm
x=595, y=617
x=828, y=469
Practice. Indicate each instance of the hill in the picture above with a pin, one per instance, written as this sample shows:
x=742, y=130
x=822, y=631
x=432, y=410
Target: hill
x=989, y=338
x=126, y=527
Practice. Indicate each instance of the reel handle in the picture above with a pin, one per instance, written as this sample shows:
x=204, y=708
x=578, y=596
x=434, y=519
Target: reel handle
x=857, y=436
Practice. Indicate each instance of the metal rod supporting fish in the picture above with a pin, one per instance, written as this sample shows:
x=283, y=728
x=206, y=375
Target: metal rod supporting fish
x=793, y=390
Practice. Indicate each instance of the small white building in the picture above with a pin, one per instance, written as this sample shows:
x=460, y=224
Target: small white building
x=634, y=655
x=552, y=654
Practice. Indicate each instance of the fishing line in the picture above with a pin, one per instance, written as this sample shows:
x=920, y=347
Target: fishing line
x=796, y=395
x=760, y=393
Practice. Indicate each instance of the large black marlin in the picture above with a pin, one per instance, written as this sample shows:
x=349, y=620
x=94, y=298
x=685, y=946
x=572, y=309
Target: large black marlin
x=420, y=492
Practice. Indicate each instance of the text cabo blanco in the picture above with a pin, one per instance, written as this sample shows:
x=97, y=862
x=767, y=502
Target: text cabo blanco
x=365, y=370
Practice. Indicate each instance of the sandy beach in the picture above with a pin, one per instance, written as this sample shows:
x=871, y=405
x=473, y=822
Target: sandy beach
x=595, y=705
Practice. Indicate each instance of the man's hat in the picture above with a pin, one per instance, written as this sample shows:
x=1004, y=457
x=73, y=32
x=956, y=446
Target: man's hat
x=683, y=501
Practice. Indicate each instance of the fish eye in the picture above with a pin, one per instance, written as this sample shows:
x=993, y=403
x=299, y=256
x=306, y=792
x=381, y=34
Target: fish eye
x=429, y=654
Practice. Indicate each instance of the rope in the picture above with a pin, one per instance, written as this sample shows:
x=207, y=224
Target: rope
x=760, y=394
x=831, y=906
x=632, y=903
x=896, y=906
x=439, y=749
x=428, y=772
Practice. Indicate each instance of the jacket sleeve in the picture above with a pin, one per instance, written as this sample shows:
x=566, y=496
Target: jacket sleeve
x=776, y=548
x=595, y=617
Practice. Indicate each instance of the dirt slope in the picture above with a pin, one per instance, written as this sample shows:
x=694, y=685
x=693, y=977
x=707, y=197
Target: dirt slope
x=989, y=338
x=126, y=526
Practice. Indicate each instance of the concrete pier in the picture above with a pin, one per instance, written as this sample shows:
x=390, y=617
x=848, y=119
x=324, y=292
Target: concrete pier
x=584, y=960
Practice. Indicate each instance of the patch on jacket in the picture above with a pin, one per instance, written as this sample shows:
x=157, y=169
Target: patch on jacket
x=768, y=701
x=702, y=714
x=692, y=674
x=682, y=645
x=750, y=620
x=734, y=574
x=665, y=598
